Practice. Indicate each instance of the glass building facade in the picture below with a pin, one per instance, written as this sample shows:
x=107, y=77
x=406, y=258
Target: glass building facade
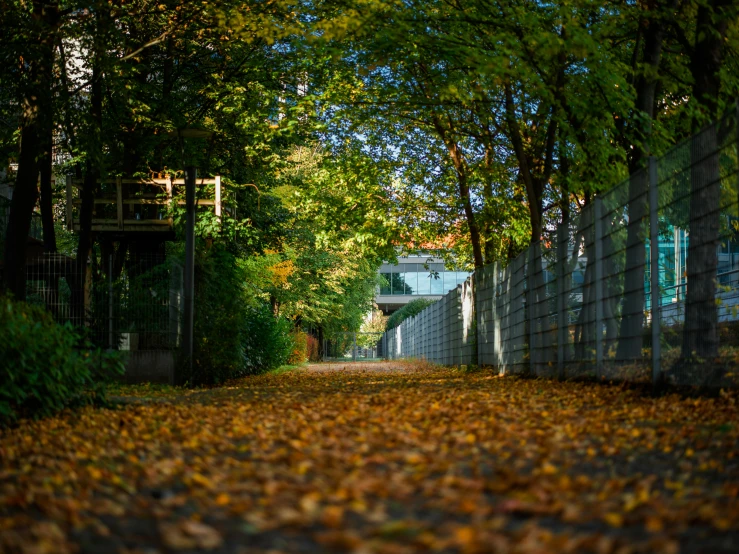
x=415, y=279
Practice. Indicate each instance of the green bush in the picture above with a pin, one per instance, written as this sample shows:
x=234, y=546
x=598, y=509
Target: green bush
x=220, y=318
x=299, y=352
x=235, y=334
x=414, y=307
x=44, y=366
x=268, y=342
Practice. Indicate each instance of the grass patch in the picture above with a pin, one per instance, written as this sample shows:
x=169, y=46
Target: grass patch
x=286, y=368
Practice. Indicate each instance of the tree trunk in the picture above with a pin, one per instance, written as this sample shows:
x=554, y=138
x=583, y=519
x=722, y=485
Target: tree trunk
x=566, y=286
x=632, y=311
x=632, y=314
x=90, y=182
x=47, y=201
x=460, y=166
x=33, y=105
x=700, y=336
x=464, y=193
x=25, y=194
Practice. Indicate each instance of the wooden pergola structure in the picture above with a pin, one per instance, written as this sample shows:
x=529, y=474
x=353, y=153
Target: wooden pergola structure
x=138, y=206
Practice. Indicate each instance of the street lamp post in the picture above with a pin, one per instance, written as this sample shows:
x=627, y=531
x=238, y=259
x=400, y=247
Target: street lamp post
x=191, y=175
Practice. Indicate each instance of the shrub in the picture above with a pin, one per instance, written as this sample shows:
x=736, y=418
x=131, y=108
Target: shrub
x=235, y=333
x=313, y=349
x=299, y=352
x=267, y=341
x=221, y=319
x=414, y=307
x=44, y=366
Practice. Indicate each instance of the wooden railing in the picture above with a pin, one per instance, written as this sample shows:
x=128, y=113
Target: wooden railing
x=135, y=202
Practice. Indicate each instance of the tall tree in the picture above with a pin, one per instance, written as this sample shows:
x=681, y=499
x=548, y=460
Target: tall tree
x=700, y=338
x=647, y=56
x=38, y=33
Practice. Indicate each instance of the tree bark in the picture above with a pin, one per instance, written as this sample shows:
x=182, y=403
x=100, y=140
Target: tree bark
x=37, y=86
x=632, y=314
x=90, y=182
x=46, y=200
x=700, y=336
x=460, y=167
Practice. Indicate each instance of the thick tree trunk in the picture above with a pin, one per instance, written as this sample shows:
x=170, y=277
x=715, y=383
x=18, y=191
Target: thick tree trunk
x=542, y=333
x=25, y=194
x=632, y=311
x=47, y=144
x=700, y=337
x=44, y=19
x=89, y=186
x=632, y=314
x=46, y=200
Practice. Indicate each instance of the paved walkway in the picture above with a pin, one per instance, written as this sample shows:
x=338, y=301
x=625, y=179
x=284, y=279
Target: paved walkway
x=374, y=457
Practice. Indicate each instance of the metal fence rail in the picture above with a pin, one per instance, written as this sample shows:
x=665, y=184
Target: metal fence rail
x=132, y=305
x=641, y=285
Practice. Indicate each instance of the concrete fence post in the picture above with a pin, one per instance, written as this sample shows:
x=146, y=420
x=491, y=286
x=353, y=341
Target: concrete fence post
x=654, y=268
x=495, y=316
x=562, y=236
x=598, y=228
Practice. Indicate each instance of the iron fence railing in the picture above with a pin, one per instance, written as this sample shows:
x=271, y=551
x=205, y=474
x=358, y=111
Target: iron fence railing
x=129, y=304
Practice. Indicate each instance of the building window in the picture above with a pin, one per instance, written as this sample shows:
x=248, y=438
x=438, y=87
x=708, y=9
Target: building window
x=416, y=280
x=411, y=282
x=424, y=282
x=397, y=284
x=385, y=283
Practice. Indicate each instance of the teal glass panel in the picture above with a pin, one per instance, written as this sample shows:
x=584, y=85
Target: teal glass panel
x=397, y=284
x=424, y=282
x=385, y=283
x=437, y=283
x=411, y=282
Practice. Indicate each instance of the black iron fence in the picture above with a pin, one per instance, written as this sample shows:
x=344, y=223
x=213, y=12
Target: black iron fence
x=130, y=303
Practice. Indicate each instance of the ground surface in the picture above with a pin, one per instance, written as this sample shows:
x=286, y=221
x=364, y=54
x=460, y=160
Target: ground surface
x=377, y=458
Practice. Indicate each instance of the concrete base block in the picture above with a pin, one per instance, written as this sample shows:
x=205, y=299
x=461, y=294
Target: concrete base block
x=150, y=366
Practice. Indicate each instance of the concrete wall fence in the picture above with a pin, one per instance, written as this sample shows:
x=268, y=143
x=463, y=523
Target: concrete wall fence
x=481, y=322
x=607, y=292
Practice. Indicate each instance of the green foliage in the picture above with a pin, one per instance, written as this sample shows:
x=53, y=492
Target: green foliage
x=414, y=307
x=220, y=319
x=44, y=366
x=299, y=352
x=236, y=334
x=268, y=343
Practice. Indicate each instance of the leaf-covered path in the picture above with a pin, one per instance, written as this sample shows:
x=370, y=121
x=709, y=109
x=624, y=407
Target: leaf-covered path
x=377, y=458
